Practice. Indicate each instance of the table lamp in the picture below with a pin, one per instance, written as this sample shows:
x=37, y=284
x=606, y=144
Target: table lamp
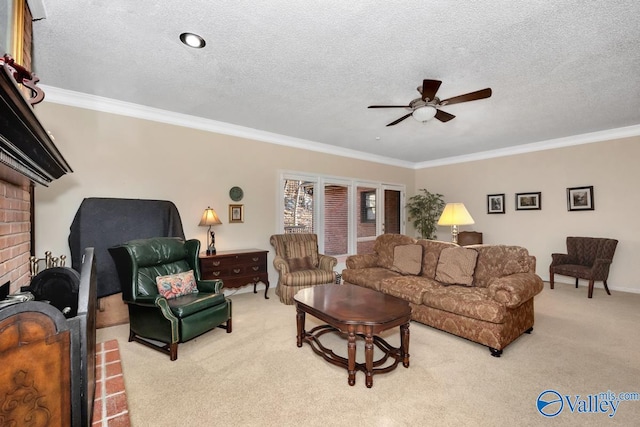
x=455, y=214
x=209, y=218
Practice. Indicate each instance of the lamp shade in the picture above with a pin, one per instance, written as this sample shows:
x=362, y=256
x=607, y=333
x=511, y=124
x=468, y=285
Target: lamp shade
x=209, y=217
x=455, y=214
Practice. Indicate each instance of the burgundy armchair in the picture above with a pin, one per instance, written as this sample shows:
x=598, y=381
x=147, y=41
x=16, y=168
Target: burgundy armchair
x=587, y=258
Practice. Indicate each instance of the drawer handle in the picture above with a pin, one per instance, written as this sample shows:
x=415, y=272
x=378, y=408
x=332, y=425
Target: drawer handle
x=255, y=268
x=256, y=279
x=216, y=273
x=216, y=263
x=255, y=259
x=236, y=270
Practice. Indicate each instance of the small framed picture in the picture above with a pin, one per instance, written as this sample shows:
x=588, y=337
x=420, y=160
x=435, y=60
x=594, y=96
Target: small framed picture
x=528, y=201
x=580, y=198
x=236, y=213
x=495, y=203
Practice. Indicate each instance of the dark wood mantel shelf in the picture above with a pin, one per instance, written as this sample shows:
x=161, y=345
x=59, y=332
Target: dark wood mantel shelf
x=25, y=146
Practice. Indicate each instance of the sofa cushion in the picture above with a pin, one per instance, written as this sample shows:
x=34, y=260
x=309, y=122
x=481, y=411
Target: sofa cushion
x=297, y=264
x=456, y=266
x=313, y=276
x=408, y=288
x=175, y=285
x=466, y=301
x=301, y=249
x=384, y=247
x=187, y=305
x=407, y=259
x=496, y=261
x=371, y=277
x=431, y=255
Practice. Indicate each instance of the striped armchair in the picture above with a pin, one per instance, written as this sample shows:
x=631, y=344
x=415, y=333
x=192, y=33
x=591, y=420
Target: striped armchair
x=299, y=264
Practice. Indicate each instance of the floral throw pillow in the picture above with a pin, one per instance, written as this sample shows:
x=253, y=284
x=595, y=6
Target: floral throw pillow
x=175, y=285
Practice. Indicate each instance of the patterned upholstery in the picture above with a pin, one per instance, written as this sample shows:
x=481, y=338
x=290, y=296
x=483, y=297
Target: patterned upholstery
x=587, y=258
x=495, y=310
x=299, y=245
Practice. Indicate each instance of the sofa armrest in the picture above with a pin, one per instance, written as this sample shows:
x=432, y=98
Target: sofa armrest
x=326, y=262
x=560, y=259
x=214, y=285
x=515, y=289
x=362, y=261
x=281, y=265
x=600, y=269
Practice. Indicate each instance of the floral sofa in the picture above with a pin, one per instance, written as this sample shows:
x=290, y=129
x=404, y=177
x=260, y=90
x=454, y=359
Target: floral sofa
x=482, y=292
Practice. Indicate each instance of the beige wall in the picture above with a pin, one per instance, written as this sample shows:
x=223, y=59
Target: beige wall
x=117, y=156
x=611, y=167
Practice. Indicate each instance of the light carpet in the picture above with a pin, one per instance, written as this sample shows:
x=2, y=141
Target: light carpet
x=257, y=376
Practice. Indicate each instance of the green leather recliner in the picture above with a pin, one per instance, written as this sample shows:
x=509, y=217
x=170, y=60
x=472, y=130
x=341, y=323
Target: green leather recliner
x=152, y=316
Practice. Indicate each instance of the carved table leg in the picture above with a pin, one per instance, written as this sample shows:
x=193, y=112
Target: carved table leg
x=351, y=347
x=300, y=316
x=368, y=357
x=404, y=344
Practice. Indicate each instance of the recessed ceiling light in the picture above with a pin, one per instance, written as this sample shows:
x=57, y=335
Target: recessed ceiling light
x=192, y=40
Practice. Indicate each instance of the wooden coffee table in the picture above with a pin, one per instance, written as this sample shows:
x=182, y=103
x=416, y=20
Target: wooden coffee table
x=356, y=312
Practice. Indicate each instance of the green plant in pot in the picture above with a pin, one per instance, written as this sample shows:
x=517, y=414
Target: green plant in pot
x=423, y=210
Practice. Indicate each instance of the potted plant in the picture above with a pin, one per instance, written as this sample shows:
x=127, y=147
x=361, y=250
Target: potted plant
x=424, y=210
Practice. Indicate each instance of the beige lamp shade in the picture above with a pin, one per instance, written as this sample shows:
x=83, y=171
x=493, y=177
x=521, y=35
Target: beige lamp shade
x=455, y=214
x=209, y=217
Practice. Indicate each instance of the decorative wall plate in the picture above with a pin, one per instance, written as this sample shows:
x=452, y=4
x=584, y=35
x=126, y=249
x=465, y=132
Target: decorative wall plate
x=236, y=194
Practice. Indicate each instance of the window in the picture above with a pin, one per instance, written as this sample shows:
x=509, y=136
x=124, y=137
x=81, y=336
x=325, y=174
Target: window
x=368, y=206
x=298, y=206
x=345, y=213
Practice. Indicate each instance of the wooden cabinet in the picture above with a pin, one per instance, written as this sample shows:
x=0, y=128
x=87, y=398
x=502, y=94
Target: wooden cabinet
x=236, y=268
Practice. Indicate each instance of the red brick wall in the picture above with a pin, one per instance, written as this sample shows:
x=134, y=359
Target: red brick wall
x=15, y=206
x=15, y=234
x=336, y=214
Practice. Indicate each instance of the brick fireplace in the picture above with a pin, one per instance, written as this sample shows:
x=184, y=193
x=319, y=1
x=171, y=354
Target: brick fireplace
x=16, y=191
x=15, y=233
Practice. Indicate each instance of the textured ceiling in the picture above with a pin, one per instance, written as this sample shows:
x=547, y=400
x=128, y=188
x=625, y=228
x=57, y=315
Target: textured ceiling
x=309, y=70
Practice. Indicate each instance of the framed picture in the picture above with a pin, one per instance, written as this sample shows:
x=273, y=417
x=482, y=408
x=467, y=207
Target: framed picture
x=236, y=213
x=495, y=203
x=528, y=201
x=580, y=198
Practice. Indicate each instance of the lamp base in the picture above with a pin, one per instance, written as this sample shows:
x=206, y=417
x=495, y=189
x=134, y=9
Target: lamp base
x=454, y=234
x=211, y=250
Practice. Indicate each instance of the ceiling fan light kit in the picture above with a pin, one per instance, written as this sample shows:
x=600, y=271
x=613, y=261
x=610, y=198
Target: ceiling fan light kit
x=428, y=106
x=425, y=113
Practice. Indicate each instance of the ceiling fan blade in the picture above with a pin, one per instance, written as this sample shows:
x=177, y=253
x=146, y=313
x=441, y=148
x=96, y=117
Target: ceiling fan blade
x=472, y=96
x=443, y=116
x=388, y=106
x=429, y=89
x=395, y=122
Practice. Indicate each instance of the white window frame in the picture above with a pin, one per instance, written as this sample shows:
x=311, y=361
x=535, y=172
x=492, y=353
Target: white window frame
x=320, y=181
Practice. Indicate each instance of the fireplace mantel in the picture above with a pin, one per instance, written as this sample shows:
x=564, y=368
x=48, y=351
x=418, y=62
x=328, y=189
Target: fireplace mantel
x=25, y=146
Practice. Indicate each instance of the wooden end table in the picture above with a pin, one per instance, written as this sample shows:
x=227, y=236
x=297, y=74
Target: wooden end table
x=236, y=268
x=356, y=312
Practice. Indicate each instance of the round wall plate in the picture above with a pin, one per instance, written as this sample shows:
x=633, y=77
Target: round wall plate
x=236, y=194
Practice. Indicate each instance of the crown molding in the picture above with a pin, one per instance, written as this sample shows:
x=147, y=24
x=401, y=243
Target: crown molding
x=586, y=138
x=107, y=105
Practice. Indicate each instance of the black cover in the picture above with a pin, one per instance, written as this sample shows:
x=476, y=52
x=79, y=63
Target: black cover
x=104, y=222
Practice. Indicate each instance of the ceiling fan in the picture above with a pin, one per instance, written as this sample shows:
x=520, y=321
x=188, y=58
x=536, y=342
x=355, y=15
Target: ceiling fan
x=428, y=106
